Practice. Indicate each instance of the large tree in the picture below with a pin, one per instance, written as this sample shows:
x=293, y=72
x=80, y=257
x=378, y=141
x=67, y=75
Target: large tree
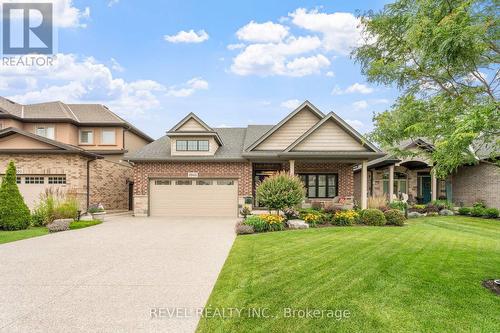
x=443, y=55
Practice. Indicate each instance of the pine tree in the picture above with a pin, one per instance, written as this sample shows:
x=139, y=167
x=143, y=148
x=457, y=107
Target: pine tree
x=14, y=214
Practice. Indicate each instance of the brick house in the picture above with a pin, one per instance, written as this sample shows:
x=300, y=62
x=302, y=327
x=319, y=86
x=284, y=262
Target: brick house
x=76, y=148
x=390, y=176
x=197, y=170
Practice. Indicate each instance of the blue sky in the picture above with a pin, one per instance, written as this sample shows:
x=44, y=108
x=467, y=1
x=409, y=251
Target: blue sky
x=231, y=62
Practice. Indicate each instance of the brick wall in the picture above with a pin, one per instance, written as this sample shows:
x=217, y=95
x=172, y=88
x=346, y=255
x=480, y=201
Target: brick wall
x=344, y=171
x=109, y=184
x=143, y=171
x=478, y=182
x=73, y=166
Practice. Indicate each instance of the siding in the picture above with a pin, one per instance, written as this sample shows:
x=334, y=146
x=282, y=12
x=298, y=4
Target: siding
x=191, y=125
x=289, y=131
x=329, y=137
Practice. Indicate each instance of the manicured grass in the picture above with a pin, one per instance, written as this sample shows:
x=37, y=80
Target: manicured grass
x=424, y=277
x=83, y=224
x=11, y=236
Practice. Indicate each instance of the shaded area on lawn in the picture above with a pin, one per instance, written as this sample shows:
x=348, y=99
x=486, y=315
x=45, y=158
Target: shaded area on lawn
x=426, y=276
x=12, y=236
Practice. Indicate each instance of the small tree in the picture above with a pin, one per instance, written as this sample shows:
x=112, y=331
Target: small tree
x=281, y=191
x=14, y=214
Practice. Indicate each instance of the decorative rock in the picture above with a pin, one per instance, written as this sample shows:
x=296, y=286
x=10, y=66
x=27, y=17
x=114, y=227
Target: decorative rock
x=297, y=224
x=59, y=225
x=414, y=214
x=446, y=212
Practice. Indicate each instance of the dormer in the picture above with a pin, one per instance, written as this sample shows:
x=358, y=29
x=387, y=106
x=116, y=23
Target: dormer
x=193, y=137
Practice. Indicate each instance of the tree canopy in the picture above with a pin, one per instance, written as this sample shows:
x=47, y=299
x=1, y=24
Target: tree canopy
x=443, y=55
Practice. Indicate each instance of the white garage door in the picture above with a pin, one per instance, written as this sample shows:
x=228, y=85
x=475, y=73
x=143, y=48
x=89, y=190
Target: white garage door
x=31, y=186
x=194, y=197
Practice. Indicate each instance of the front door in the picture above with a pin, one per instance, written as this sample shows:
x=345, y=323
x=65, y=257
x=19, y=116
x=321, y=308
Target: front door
x=425, y=184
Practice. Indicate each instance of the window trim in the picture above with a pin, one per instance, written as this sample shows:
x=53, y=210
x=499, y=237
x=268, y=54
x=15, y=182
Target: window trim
x=80, y=137
x=114, y=136
x=45, y=127
x=191, y=150
x=327, y=185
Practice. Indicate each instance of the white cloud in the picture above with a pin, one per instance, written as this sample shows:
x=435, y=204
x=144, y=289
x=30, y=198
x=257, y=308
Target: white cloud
x=360, y=105
x=65, y=14
x=330, y=74
x=341, y=31
x=352, y=89
x=188, y=88
x=356, y=124
x=267, y=32
x=187, y=37
x=235, y=46
x=115, y=65
x=111, y=3
x=291, y=104
x=280, y=58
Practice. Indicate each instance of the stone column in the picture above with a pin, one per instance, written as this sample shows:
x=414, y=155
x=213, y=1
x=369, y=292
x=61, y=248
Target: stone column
x=364, y=185
x=433, y=185
x=292, y=167
x=391, y=182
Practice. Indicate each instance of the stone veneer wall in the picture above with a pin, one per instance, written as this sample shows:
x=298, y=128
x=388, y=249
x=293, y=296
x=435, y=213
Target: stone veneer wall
x=478, y=182
x=143, y=171
x=74, y=166
x=109, y=184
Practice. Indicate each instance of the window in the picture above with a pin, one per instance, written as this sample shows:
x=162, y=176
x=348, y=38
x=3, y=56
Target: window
x=18, y=180
x=57, y=180
x=108, y=136
x=225, y=182
x=192, y=145
x=183, y=182
x=46, y=131
x=86, y=137
x=34, y=180
x=400, y=183
x=320, y=185
x=162, y=182
x=204, y=182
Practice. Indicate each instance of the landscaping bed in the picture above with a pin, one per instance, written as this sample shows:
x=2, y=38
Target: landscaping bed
x=424, y=277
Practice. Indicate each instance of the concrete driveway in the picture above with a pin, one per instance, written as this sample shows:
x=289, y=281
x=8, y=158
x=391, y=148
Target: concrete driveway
x=114, y=276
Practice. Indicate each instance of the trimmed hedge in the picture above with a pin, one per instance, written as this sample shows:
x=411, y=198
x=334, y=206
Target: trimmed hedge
x=477, y=211
x=464, y=211
x=14, y=214
x=373, y=217
x=395, y=217
x=491, y=213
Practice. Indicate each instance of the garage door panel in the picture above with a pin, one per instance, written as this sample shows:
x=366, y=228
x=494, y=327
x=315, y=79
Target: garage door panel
x=167, y=198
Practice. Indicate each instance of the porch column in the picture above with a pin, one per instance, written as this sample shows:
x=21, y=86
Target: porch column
x=292, y=167
x=433, y=185
x=391, y=182
x=364, y=185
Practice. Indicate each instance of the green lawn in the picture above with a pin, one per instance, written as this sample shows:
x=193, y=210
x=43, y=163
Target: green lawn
x=424, y=277
x=12, y=236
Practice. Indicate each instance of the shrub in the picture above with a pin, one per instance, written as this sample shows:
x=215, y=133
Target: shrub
x=491, y=213
x=464, y=210
x=243, y=229
x=412, y=215
x=480, y=204
x=280, y=191
x=418, y=208
x=274, y=222
x=442, y=204
x=245, y=211
x=377, y=202
x=53, y=205
x=477, y=211
x=95, y=208
x=432, y=214
x=311, y=216
x=14, y=214
x=431, y=208
x=395, y=217
x=346, y=217
x=372, y=217
x=446, y=212
x=258, y=224
x=397, y=204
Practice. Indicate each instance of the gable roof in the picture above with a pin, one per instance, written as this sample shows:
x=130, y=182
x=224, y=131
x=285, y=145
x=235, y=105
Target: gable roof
x=209, y=131
x=190, y=116
x=306, y=103
x=61, y=147
x=57, y=111
x=343, y=125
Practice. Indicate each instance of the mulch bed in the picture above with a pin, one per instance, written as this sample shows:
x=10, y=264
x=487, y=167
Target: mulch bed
x=491, y=285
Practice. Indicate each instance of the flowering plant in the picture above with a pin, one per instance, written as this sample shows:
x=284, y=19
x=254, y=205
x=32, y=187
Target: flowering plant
x=345, y=217
x=274, y=221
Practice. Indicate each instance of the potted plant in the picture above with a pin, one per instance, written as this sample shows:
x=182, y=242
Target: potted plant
x=97, y=212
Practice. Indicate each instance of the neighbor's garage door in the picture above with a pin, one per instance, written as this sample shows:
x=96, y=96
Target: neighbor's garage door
x=32, y=186
x=194, y=197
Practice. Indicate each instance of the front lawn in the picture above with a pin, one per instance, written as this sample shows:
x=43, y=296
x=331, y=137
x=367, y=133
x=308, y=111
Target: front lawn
x=11, y=236
x=425, y=276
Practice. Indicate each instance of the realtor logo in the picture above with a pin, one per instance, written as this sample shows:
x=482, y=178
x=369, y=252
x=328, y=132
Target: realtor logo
x=27, y=28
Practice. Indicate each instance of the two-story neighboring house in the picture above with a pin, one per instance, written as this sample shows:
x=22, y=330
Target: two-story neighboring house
x=76, y=148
